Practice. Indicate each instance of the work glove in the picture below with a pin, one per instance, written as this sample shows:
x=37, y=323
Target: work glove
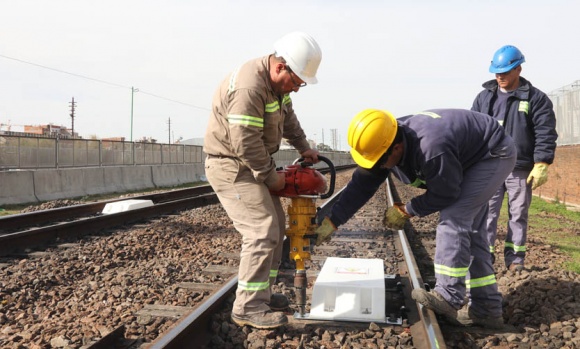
x=396, y=216
x=324, y=231
x=539, y=175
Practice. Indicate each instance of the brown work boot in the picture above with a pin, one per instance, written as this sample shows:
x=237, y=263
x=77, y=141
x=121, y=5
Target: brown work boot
x=467, y=317
x=263, y=320
x=278, y=302
x=435, y=302
x=516, y=267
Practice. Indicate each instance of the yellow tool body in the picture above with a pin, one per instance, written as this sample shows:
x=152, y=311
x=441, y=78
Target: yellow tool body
x=301, y=213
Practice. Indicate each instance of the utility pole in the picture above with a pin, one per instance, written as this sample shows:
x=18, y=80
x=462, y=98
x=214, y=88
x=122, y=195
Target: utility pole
x=169, y=133
x=133, y=90
x=72, y=116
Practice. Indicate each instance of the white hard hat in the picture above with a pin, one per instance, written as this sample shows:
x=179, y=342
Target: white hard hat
x=302, y=54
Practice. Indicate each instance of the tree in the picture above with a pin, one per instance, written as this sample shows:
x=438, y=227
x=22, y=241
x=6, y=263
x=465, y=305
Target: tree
x=323, y=147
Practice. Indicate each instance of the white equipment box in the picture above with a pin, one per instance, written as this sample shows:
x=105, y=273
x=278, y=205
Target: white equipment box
x=125, y=205
x=350, y=289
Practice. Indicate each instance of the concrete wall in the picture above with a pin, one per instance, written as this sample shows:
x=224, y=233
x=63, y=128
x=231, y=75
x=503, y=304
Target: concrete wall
x=28, y=186
x=17, y=187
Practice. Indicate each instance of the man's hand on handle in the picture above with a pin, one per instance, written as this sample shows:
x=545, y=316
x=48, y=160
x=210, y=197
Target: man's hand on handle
x=310, y=155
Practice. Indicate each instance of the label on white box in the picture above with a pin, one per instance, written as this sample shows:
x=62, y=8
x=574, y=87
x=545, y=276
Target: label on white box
x=361, y=271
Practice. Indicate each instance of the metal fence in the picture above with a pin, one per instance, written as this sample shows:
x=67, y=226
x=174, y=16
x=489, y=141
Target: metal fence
x=18, y=152
x=25, y=152
x=566, y=102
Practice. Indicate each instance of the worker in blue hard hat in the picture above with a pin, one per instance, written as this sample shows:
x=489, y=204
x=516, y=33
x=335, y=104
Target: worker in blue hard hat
x=527, y=115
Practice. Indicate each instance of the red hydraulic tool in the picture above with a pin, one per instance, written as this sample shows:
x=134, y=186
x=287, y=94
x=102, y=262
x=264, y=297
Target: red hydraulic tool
x=304, y=185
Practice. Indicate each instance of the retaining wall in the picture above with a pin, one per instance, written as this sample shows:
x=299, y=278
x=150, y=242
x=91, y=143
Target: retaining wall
x=28, y=186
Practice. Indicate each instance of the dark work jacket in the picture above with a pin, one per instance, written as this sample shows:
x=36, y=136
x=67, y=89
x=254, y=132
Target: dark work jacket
x=439, y=145
x=529, y=120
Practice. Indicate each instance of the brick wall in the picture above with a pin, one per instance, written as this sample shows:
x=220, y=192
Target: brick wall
x=563, y=176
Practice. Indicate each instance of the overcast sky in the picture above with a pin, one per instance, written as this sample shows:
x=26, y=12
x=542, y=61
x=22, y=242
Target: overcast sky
x=403, y=56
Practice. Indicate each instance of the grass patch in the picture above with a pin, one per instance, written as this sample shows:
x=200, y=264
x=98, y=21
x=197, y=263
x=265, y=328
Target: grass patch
x=556, y=225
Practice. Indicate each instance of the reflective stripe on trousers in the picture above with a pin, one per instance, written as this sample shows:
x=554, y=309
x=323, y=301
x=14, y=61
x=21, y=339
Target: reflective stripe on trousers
x=259, y=218
x=462, y=249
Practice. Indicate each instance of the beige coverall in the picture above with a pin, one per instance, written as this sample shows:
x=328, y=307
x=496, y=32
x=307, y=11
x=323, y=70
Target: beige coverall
x=246, y=126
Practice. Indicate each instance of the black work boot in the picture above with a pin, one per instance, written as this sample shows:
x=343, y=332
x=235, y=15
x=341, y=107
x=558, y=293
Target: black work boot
x=278, y=302
x=264, y=320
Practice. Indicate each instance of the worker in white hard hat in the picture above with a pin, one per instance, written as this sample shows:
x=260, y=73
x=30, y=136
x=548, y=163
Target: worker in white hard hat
x=251, y=112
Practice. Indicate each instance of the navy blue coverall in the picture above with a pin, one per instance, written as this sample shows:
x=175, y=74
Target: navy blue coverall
x=460, y=157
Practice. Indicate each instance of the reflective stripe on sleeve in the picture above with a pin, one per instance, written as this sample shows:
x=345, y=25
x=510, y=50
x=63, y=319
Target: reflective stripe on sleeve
x=245, y=120
x=233, y=78
x=272, y=107
x=418, y=182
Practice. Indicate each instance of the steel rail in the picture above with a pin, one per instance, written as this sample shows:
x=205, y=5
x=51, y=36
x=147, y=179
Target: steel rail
x=428, y=319
x=42, y=217
x=195, y=324
x=15, y=242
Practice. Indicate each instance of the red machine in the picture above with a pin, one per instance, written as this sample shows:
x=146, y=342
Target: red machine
x=301, y=180
x=304, y=185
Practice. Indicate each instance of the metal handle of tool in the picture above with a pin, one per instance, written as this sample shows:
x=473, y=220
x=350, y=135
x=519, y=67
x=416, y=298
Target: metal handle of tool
x=330, y=167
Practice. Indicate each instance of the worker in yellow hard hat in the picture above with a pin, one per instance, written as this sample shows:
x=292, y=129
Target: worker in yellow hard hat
x=460, y=157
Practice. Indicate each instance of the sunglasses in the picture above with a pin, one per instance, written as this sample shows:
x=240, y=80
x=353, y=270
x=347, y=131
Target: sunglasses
x=292, y=78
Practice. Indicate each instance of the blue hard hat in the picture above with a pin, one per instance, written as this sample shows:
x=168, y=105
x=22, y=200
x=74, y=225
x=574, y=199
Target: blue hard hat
x=505, y=59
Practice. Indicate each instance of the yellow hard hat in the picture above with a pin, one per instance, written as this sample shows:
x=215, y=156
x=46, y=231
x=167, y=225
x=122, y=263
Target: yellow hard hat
x=370, y=134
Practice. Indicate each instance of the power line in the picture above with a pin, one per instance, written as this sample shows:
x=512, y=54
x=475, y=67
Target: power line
x=173, y=100
x=64, y=72
x=103, y=82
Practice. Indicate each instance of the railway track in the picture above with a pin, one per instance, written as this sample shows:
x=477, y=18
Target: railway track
x=38, y=228
x=406, y=325
x=185, y=323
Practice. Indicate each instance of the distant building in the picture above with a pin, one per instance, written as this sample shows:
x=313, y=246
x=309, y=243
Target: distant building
x=146, y=140
x=49, y=130
x=114, y=139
